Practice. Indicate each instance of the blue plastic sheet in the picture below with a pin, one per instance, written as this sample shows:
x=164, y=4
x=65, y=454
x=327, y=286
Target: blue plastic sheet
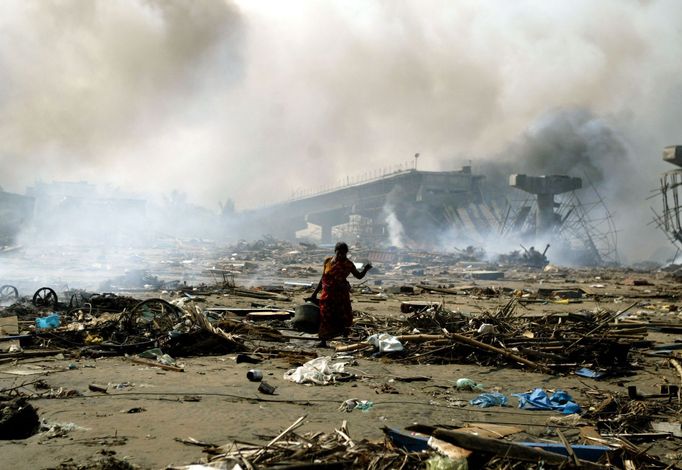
x=589, y=373
x=584, y=452
x=539, y=400
x=50, y=321
x=484, y=400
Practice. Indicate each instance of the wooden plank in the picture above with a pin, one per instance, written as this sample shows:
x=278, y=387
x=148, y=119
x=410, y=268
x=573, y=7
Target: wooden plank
x=490, y=430
x=9, y=326
x=268, y=315
x=589, y=434
x=448, y=449
x=146, y=362
x=33, y=353
x=500, y=430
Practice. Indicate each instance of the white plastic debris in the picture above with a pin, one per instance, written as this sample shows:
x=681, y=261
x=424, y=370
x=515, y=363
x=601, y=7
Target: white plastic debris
x=385, y=342
x=211, y=466
x=487, y=329
x=319, y=371
x=59, y=429
x=468, y=385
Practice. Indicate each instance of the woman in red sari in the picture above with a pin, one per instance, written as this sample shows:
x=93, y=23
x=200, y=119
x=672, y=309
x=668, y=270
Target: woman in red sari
x=336, y=314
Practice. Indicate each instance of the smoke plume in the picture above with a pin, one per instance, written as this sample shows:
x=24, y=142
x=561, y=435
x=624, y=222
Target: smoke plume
x=254, y=100
x=104, y=89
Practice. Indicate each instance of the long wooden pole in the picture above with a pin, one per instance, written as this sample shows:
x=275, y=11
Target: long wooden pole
x=503, y=352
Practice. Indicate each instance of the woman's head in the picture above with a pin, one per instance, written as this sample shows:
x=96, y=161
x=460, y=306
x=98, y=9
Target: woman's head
x=341, y=248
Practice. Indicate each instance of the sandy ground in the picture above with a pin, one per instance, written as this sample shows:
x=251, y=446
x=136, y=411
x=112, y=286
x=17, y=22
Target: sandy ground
x=213, y=401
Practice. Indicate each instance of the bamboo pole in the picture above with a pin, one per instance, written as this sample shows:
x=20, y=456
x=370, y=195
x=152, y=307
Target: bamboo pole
x=138, y=360
x=503, y=352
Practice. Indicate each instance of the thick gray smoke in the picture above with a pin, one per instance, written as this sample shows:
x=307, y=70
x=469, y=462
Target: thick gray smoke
x=567, y=141
x=576, y=142
x=571, y=141
x=254, y=100
x=105, y=89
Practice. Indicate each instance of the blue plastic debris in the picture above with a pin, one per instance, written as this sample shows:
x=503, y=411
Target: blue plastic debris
x=412, y=442
x=50, y=321
x=583, y=452
x=364, y=405
x=539, y=400
x=590, y=374
x=485, y=400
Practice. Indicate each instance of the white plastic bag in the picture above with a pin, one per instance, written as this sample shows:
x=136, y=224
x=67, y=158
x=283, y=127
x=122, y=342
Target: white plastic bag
x=385, y=343
x=319, y=371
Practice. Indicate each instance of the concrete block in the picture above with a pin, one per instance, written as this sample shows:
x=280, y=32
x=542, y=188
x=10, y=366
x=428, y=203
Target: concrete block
x=550, y=184
x=673, y=154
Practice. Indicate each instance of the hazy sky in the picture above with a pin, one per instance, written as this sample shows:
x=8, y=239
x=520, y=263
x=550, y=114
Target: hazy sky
x=255, y=99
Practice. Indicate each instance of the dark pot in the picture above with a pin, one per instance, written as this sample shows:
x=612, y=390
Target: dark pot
x=307, y=318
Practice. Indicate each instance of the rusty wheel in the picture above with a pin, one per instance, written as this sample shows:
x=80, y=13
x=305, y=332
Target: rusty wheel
x=77, y=300
x=45, y=297
x=154, y=316
x=8, y=293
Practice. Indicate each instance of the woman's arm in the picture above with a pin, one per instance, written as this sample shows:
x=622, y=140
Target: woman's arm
x=318, y=288
x=359, y=274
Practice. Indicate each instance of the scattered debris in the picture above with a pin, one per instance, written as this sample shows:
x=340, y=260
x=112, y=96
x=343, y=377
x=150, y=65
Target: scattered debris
x=545, y=327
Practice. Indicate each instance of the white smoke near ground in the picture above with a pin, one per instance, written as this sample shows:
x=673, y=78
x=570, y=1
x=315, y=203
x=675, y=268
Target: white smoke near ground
x=254, y=100
x=396, y=233
x=566, y=141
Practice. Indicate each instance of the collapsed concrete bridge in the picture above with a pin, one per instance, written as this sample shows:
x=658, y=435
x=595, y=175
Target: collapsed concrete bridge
x=421, y=201
x=440, y=209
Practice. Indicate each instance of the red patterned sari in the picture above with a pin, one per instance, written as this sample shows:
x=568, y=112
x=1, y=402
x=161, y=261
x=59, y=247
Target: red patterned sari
x=336, y=314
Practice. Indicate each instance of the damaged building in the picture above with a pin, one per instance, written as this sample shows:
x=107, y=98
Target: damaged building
x=16, y=212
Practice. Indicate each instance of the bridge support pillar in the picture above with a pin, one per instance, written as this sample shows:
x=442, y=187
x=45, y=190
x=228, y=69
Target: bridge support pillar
x=545, y=188
x=326, y=236
x=327, y=220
